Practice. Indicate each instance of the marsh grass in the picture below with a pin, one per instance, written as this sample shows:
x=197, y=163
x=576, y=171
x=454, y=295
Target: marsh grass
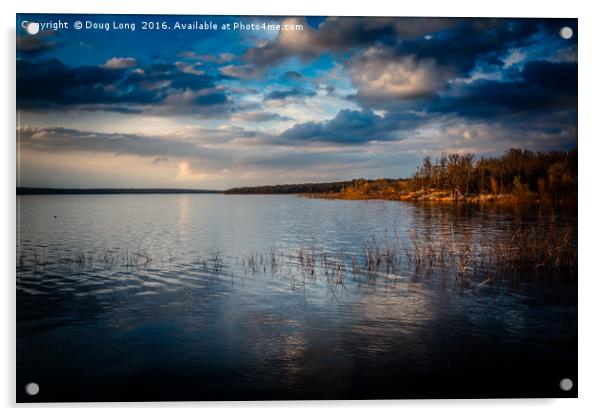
x=468, y=258
x=212, y=261
x=524, y=253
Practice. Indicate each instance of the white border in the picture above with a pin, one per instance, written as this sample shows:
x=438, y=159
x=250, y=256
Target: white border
x=590, y=149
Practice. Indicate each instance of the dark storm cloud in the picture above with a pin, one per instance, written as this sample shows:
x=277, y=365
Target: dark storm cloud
x=544, y=87
x=211, y=99
x=472, y=40
x=348, y=127
x=33, y=45
x=292, y=76
x=294, y=92
x=542, y=100
x=114, y=108
x=30, y=46
x=50, y=84
x=341, y=35
x=172, y=77
x=458, y=43
x=560, y=77
x=393, y=59
x=416, y=68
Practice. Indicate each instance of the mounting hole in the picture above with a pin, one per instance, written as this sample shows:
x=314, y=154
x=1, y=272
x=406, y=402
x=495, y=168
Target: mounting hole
x=566, y=384
x=32, y=389
x=32, y=28
x=566, y=32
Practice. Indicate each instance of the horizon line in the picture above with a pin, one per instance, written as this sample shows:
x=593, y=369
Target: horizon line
x=32, y=190
x=40, y=190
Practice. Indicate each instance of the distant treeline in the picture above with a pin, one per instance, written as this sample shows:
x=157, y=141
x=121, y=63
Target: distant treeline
x=103, y=191
x=301, y=188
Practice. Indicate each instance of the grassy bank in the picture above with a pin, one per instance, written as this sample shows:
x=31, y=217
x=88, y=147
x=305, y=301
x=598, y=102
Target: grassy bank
x=518, y=176
x=402, y=190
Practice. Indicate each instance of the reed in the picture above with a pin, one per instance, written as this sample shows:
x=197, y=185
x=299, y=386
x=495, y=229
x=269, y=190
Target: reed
x=215, y=259
x=108, y=259
x=473, y=260
x=547, y=251
x=143, y=258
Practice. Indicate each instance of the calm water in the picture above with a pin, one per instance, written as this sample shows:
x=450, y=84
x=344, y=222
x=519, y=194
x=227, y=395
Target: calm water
x=178, y=297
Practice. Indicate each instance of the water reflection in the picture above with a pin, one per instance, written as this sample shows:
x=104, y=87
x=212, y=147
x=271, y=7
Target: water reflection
x=273, y=320
x=184, y=218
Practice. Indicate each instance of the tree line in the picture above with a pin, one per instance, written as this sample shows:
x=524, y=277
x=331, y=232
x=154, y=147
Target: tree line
x=523, y=173
x=520, y=175
x=297, y=188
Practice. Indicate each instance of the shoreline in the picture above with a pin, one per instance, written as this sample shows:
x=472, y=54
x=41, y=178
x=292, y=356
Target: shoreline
x=437, y=196
x=443, y=197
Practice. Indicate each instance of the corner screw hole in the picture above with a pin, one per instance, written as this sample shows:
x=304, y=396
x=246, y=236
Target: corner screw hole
x=566, y=384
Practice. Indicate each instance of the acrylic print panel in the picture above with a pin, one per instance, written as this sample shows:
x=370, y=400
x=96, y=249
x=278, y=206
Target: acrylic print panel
x=258, y=208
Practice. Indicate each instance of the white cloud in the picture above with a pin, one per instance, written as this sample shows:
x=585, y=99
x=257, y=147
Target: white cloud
x=120, y=63
x=514, y=56
x=376, y=74
x=189, y=68
x=246, y=71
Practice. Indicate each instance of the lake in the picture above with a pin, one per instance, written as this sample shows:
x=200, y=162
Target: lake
x=250, y=297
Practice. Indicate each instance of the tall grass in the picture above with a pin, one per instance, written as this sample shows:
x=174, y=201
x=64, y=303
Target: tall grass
x=518, y=253
x=525, y=252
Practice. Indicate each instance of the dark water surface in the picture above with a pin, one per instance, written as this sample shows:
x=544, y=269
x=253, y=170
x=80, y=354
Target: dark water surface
x=212, y=297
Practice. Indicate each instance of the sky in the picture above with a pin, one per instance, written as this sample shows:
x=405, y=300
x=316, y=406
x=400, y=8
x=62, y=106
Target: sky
x=288, y=100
